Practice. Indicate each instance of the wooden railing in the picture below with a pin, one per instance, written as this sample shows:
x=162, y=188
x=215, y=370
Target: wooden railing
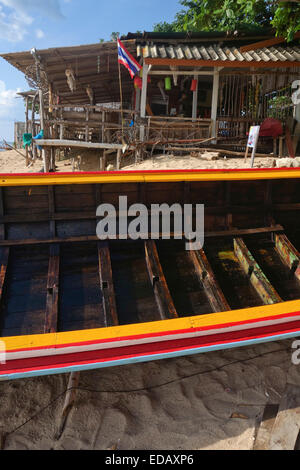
x=177, y=128
x=102, y=124
x=228, y=127
x=91, y=123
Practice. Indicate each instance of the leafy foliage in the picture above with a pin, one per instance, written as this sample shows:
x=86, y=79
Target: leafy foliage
x=231, y=15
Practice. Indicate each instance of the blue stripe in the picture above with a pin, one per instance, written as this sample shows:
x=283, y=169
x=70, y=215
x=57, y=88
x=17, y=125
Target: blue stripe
x=141, y=359
x=130, y=64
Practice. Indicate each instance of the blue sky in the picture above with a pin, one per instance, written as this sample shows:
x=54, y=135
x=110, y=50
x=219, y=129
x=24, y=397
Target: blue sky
x=52, y=23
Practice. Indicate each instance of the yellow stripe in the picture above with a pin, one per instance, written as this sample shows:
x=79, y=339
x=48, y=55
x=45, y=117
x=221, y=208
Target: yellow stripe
x=148, y=177
x=120, y=332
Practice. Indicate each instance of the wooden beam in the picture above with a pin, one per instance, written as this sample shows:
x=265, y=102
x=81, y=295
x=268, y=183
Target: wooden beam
x=93, y=238
x=107, y=286
x=288, y=253
x=182, y=72
x=162, y=294
x=266, y=43
x=257, y=278
x=206, y=276
x=51, y=318
x=287, y=424
x=76, y=144
x=2, y=225
x=51, y=200
x=220, y=63
x=4, y=256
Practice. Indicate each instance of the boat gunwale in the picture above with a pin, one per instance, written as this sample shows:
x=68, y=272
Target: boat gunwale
x=135, y=331
x=190, y=324
x=146, y=176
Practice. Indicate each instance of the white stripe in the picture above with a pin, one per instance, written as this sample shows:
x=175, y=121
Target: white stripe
x=55, y=351
x=142, y=359
x=136, y=66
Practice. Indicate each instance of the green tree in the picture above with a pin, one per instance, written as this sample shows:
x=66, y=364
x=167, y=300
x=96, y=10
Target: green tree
x=114, y=36
x=231, y=15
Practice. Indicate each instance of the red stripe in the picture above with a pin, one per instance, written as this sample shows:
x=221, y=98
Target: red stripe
x=122, y=62
x=129, y=55
x=157, y=335
x=115, y=354
x=139, y=172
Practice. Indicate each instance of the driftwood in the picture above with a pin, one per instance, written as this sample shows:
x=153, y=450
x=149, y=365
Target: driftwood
x=280, y=425
x=287, y=424
x=2, y=441
x=13, y=148
x=69, y=402
x=215, y=150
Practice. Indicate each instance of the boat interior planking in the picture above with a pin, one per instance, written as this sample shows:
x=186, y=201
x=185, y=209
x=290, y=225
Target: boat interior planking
x=58, y=277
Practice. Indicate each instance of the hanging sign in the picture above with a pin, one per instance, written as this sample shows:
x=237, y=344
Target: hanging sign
x=252, y=142
x=253, y=136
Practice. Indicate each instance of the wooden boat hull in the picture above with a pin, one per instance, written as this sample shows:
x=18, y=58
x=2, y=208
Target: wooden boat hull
x=131, y=325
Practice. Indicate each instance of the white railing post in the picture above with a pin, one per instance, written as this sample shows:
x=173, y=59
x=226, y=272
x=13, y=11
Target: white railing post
x=214, y=104
x=144, y=99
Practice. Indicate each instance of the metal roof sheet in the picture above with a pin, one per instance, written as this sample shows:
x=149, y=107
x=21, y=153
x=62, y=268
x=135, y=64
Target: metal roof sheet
x=217, y=52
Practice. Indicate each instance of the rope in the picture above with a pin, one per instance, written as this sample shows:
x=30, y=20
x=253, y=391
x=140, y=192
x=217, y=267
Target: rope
x=144, y=389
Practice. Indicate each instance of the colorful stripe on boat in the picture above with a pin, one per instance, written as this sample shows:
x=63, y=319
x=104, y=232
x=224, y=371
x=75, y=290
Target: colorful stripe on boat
x=140, y=342
x=149, y=176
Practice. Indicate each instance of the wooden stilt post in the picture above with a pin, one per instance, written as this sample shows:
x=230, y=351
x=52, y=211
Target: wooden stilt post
x=33, y=125
x=118, y=159
x=69, y=402
x=26, y=128
x=42, y=118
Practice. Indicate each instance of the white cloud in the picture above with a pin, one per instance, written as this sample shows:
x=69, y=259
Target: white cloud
x=50, y=8
x=11, y=109
x=17, y=15
x=13, y=25
x=8, y=102
x=40, y=33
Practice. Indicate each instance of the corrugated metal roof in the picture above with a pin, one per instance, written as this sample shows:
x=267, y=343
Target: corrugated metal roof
x=216, y=52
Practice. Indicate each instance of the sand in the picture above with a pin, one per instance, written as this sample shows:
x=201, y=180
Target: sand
x=209, y=401
x=13, y=162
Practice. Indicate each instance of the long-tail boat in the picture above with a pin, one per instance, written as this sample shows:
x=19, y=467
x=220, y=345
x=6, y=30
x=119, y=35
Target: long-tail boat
x=72, y=302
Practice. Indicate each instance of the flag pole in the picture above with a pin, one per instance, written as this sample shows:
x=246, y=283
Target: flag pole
x=121, y=94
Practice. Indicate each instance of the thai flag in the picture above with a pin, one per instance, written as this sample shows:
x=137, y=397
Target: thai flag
x=125, y=58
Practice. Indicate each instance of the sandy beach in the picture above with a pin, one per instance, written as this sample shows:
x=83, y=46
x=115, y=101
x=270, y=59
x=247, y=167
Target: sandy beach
x=209, y=401
x=13, y=162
